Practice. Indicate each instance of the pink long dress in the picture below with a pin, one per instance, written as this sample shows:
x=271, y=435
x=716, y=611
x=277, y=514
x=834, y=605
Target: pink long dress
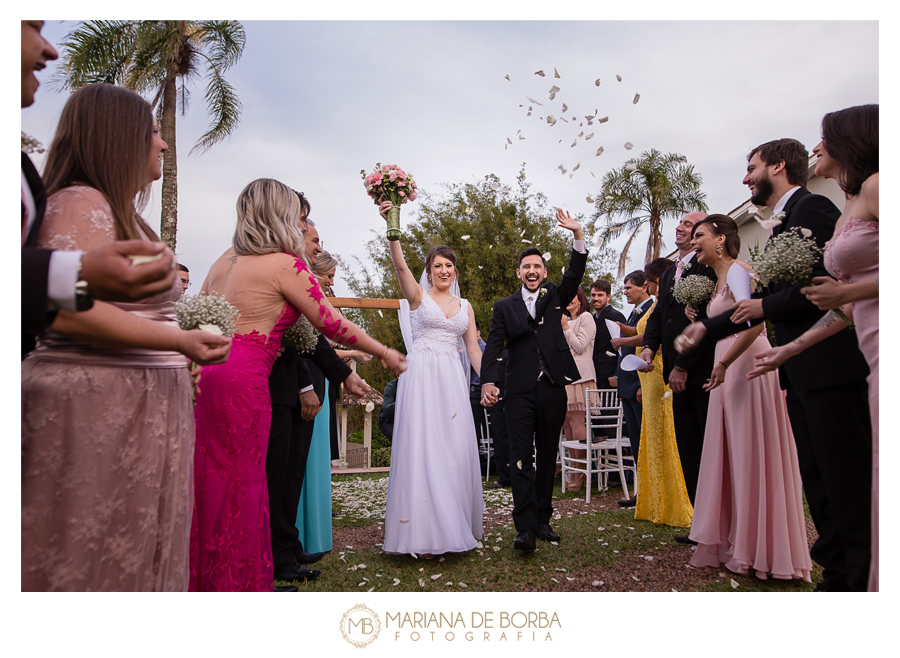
x=107, y=443
x=852, y=256
x=749, y=505
x=231, y=548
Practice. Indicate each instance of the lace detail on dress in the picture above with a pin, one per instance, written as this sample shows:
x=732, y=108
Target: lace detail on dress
x=853, y=222
x=433, y=330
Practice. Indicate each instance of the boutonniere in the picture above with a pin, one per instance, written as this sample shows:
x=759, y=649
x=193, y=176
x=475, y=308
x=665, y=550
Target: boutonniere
x=684, y=266
x=638, y=310
x=542, y=293
x=776, y=219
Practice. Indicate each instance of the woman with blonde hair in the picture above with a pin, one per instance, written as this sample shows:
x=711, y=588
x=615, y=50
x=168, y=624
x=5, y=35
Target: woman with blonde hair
x=267, y=278
x=107, y=422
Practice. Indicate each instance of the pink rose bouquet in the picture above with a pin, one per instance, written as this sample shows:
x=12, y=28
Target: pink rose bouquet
x=390, y=183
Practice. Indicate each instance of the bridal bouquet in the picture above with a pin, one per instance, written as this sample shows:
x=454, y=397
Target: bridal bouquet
x=789, y=257
x=693, y=290
x=206, y=312
x=301, y=335
x=390, y=183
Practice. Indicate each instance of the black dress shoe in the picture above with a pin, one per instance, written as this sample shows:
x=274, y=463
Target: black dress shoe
x=684, y=539
x=524, y=541
x=498, y=485
x=546, y=533
x=307, y=558
x=631, y=502
x=297, y=573
x=286, y=588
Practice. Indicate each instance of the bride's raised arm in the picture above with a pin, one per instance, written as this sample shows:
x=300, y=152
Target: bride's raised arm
x=409, y=286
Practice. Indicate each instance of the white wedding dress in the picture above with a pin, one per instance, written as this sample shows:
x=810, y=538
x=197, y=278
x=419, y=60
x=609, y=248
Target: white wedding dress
x=434, y=501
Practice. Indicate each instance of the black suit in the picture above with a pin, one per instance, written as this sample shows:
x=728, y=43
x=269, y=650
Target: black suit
x=827, y=399
x=35, y=262
x=689, y=408
x=604, y=364
x=289, y=442
x=535, y=408
x=628, y=385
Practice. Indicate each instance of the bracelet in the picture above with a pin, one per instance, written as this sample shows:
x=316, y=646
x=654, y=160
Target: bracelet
x=724, y=365
x=381, y=358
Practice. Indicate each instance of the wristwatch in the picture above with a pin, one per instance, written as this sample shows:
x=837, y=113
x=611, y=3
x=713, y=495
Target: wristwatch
x=83, y=297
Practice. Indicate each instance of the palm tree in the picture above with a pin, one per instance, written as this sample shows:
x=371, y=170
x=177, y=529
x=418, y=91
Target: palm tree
x=647, y=190
x=150, y=57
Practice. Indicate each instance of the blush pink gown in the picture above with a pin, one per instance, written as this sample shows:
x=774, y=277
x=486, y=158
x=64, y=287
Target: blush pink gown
x=230, y=547
x=748, y=512
x=852, y=256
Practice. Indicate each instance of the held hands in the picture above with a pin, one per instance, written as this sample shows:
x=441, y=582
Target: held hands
x=309, y=405
x=716, y=378
x=690, y=313
x=490, y=395
x=690, y=337
x=565, y=221
x=747, y=309
x=355, y=386
x=826, y=293
x=112, y=277
x=203, y=347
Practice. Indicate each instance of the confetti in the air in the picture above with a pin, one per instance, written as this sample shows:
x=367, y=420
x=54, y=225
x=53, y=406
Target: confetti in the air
x=619, y=78
x=555, y=73
x=507, y=77
x=603, y=120
x=546, y=255
x=597, y=82
x=637, y=97
x=469, y=210
x=629, y=145
x=589, y=199
x=540, y=73
x=599, y=150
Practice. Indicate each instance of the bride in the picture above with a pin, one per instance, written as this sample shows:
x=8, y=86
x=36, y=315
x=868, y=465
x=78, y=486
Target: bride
x=434, y=501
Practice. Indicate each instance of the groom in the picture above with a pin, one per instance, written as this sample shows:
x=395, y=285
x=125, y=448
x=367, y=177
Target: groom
x=540, y=365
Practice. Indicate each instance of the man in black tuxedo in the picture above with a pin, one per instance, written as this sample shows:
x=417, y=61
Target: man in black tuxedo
x=290, y=381
x=627, y=381
x=70, y=280
x=540, y=365
x=605, y=357
x=684, y=373
x=827, y=393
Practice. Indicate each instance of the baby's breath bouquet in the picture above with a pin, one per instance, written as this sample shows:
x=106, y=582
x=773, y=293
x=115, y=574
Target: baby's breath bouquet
x=206, y=312
x=301, y=335
x=789, y=256
x=693, y=290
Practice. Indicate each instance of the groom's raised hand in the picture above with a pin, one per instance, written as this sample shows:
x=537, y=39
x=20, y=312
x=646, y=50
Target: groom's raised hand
x=565, y=221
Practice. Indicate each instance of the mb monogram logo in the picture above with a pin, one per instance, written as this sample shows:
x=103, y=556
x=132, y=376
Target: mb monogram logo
x=360, y=626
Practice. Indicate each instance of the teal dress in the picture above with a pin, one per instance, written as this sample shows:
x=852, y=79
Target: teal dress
x=314, y=512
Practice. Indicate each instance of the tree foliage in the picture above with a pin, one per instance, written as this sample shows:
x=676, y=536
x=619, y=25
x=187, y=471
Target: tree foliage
x=152, y=57
x=646, y=191
x=487, y=225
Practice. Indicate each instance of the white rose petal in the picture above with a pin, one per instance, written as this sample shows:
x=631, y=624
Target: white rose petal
x=465, y=237
x=546, y=255
x=143, y=260
x=806, y=232
x=436, y=576
x=370, y=407
x=629, y=145
x=211, y=328
x=734, y=583
x=619, y=78
x=519, y=464
x=599, y=150
x=666, y=395
x=597, y=583
x=396, y=581
x=637, y=97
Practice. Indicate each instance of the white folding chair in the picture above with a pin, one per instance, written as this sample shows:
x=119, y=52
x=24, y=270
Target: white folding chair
x=603, y=455
x=486, y=444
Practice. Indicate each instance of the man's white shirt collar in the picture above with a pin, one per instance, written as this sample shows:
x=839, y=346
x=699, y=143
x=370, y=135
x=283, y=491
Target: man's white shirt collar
x=782, y=202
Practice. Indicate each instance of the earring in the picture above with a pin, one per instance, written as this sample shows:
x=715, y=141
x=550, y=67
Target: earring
x=719, y=250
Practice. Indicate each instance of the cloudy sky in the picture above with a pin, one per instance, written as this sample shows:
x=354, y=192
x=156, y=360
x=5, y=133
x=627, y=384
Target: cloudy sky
x=324, y=99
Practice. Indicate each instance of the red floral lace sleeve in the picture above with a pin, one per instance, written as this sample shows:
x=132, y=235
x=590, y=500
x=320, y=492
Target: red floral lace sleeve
x=332, y=328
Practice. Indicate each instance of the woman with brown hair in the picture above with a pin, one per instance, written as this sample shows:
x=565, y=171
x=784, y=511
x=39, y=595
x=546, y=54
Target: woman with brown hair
x=579, y=333
x=107, y=422
x=434, y=500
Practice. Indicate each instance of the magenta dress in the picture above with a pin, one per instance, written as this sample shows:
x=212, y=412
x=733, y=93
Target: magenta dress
x=230, y=547
x=749, y=505
x=852, y=256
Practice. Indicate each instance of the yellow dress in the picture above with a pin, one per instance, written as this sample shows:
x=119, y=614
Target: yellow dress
x=661, y=494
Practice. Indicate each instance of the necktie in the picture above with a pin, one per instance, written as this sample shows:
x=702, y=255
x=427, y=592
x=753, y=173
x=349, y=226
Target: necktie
x=530, y=305
x=679, y=264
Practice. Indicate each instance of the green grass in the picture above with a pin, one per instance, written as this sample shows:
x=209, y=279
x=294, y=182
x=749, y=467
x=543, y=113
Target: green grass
x=592, y=540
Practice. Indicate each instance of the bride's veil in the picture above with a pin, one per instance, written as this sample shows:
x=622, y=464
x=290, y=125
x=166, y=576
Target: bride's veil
x=406, y=327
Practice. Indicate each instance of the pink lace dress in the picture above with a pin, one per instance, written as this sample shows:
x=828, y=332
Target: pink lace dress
x=231, y=548
x=107, y=443
x=852, y=256
x=749, y=505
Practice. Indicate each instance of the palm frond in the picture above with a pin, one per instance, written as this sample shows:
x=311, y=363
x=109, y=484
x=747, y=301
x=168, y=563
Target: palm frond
x=224, y=107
